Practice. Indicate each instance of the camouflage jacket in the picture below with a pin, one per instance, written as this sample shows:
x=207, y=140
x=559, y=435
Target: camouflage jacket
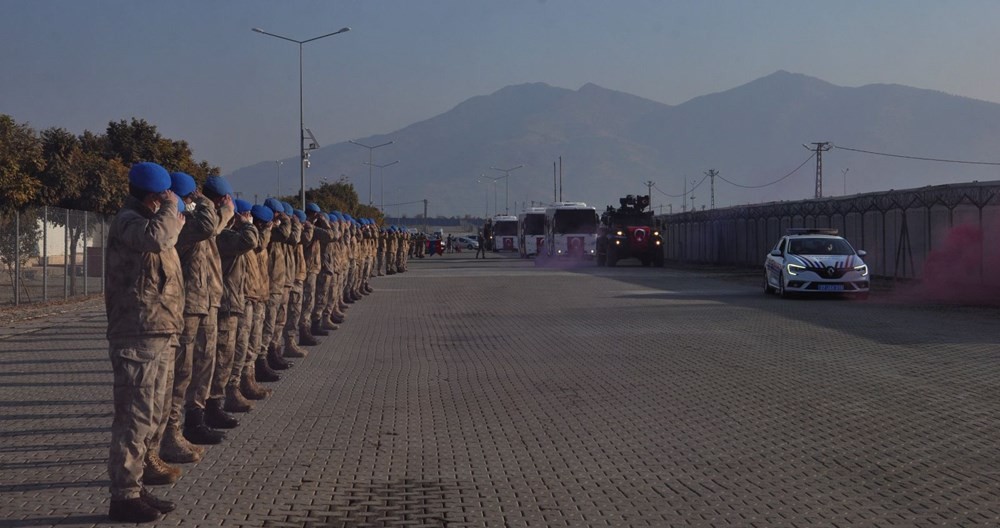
x=144, y=285
x=276, y=263
x=257, y=283
x=235, y=246
x=202, y=219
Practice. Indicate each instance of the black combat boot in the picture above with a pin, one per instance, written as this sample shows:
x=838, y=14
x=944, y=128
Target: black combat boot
x=306, y=337
x=133, y=511
x=164, y=506
x=275, y=360
x=263, y=372
x=197, y=432
x=317, y=329
x=217, y=418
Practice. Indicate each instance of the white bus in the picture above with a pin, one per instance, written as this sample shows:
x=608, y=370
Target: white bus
x=571, y=230
x=504, y=233
x=531, y=231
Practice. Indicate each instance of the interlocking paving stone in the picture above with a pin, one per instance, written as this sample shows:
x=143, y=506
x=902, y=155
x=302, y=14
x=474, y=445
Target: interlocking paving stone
x=493, y=393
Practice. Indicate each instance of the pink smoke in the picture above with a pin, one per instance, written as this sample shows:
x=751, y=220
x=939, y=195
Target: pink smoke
x=963, y=270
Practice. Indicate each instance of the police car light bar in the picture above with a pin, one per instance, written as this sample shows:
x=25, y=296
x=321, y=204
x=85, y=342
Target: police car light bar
x=812, y=231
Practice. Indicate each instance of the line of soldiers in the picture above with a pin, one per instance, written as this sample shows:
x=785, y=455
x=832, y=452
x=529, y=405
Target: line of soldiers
x=206, y=298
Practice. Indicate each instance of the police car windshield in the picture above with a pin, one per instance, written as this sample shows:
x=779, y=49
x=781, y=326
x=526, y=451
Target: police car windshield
x=574, y=221
x=505, y=228
x=819, y=246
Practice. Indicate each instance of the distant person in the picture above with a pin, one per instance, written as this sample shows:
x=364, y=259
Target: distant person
x=450, y=244
x=481, y=248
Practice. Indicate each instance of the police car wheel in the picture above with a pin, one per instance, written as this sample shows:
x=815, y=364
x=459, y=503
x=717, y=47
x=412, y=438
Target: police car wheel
x=768, y=290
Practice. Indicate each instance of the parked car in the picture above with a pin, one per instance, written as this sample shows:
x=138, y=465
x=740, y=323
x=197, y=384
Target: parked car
x=815, y=261
x=465, y=242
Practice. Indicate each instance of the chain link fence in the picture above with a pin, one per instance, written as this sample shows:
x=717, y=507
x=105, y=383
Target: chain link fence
x=49, y=254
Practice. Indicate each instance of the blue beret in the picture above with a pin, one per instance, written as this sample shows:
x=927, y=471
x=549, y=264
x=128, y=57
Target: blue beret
x=332, y=217
x=313, y=208
x=182, y=183
x=242, y=206
x=347, y=217
x=218, y=185
x=180, y=206
x=274, y=205
x=264, y=214
x=301, y=215
x=287, y=207
x=149, y=177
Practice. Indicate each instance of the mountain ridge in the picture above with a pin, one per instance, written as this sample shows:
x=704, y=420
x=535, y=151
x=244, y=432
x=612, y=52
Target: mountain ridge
x=611, y=142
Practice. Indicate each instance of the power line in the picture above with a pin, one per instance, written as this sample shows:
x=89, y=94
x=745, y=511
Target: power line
x=404, y=203
x=919, y=158
x=796, y=169
x=683, y=194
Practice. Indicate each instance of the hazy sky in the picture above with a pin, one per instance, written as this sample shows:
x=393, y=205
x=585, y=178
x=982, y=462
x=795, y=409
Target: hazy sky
x=195, y=69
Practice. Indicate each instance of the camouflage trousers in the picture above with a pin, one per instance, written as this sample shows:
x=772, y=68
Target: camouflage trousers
x=324, y=288
x=270, y=329
x=203, y=360
x=309, y=295
x=224, y=353
x=183, y=361
x=245, y=351
x=140, y=394
x=293, y=312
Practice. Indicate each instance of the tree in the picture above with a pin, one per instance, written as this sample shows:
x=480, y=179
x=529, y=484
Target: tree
x=341, y=196
x=20, y=162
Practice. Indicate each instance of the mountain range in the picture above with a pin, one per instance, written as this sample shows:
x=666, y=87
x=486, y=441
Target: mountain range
x=612, y=143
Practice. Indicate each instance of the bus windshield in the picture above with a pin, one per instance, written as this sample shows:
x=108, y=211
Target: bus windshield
x=534, y=224
x=505, y=228
x=570, y=221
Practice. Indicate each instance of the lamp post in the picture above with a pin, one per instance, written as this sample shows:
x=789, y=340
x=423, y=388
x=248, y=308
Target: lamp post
x=494, y=182
x=381, y=183
x=303, y=152
x=370, y=149
x=506, y=186
x=277, y=163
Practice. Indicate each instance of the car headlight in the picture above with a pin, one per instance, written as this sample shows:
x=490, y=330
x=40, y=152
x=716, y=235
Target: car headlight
x=794, y=269
x=862, y=269
x=620, y=233
x=656, y=233
x=657, y=242
x=618, y=242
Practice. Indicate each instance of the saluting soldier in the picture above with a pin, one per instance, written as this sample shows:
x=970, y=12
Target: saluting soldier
x=235, y=244
x=144, y=300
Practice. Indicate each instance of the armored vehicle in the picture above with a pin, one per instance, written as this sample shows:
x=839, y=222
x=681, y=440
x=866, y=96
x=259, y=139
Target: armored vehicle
x=629, y=231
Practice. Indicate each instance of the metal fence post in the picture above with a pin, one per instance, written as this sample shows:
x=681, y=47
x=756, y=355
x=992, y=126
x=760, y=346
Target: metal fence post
x=104, y=252
x=66, y=258
x=85, y=255
x=45, y=253
x=17, y=258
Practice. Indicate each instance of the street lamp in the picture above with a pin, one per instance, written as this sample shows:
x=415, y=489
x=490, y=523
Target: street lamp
x=494, y=182
x=506, y=186
x=381, y=183
x=370, y=149
x=278, y=163
x=303, y=152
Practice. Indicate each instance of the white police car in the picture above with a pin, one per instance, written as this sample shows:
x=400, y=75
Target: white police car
x=811, y=261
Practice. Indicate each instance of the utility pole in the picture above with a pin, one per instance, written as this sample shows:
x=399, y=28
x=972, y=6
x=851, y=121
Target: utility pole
x=560, y=178
x=649, y=193
x=555, y=195
x=844, y=172
x=684, y=206
x=425, y=215
x=819, y=148
x=712, y=173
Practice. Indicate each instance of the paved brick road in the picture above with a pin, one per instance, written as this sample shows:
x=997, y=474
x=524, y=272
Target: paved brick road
x=492, y=393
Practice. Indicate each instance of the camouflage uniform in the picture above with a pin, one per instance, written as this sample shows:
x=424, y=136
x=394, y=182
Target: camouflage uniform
x=277, y=272
x=234, y=244
x=144, y=299
x=192, y=246
x=206, y=345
